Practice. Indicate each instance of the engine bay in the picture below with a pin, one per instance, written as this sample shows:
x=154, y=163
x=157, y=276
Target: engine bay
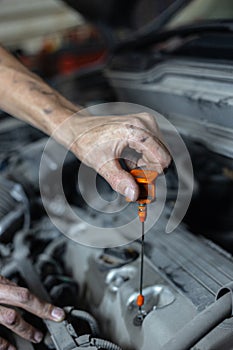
x=72, y=241
x=98, y=286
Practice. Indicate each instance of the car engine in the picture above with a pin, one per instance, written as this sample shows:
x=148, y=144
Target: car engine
x=79, y=246
x=184, y=271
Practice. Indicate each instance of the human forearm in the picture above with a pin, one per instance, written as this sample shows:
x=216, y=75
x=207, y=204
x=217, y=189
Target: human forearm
x=26, y=96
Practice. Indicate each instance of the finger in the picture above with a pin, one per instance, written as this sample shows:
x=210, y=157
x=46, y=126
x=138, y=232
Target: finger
x=131, y=164
x=152, y=149
x=141, y=119
x=21, y=297
x=11, y=319
x=147, y=122
x=5, y=345
x=130, y=158
x=119, y=179
x=4, y=280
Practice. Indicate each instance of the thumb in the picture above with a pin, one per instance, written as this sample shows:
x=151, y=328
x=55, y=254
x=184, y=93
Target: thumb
x=120, y=180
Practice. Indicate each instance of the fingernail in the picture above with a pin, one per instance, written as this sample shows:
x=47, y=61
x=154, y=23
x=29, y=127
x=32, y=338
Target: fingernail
x=11, y=347
x=38, y=336
x=58, y=314
x=130, y=193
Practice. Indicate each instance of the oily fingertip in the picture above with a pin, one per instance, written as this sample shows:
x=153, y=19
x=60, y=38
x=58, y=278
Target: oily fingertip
x=58, y=314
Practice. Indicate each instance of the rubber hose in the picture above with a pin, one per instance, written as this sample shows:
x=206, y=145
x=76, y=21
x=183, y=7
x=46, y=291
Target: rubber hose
x=83, y=315
x=104, y=344
x=201, y=325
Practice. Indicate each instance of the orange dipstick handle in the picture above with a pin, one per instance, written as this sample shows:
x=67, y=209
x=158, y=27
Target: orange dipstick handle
x=146, y=182
x=140, y=300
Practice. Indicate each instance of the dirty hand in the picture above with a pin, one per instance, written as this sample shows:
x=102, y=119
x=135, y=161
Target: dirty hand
x=99, y=142
x=12, y=295
x=96, y=141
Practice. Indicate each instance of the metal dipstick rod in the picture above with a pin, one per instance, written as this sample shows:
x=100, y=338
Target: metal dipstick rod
x=142, y=265
x=142, y=213
x=145, y=179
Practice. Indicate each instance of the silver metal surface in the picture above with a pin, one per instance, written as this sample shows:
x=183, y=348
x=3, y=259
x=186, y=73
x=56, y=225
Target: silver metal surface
x=157, y=296
x=197, y=97
x=182, y=274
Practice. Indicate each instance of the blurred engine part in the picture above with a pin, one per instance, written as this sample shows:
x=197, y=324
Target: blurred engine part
x=87, y=87
x=115, y=14
x=20, y=267
x=43, y=18
x=14, y=209
x=13, y=136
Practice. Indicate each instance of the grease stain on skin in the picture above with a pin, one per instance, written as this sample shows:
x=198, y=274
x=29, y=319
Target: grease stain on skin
x=46, y=92
x=144, y=139
x=33, y=86
x=47, y=110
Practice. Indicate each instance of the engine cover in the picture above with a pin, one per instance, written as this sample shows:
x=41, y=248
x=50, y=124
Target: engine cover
x=196, y=96
x=182, y=276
